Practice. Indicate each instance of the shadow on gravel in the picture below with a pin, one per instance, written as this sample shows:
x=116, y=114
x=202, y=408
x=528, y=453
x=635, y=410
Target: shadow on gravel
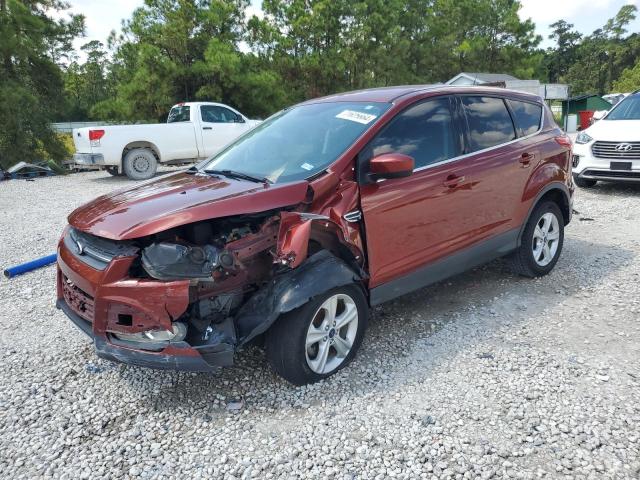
x=490, y=293
x=615, y=189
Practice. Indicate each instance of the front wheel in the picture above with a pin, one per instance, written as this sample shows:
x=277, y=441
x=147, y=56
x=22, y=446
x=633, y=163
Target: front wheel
x=140, y=164
x=541, y=243
x=319, y=338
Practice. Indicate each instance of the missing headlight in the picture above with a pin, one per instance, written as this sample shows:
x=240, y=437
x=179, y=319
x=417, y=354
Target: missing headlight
x=172, y=261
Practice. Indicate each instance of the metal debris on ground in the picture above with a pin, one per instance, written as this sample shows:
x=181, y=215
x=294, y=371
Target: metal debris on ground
x=24, y=170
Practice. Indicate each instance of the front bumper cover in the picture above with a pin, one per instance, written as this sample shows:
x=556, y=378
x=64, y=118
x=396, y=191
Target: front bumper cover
x=589, y=167
x=94, y=300
x=174, y=356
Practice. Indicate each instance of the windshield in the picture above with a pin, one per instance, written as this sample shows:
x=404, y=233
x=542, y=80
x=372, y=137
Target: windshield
x=627, y=109
x=179, y=113
x=298, y=143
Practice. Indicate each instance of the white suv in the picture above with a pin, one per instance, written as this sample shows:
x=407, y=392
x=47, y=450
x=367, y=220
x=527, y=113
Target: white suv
x=609, y=149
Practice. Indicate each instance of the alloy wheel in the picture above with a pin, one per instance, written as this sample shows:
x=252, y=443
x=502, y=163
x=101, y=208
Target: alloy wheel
x=331, y=333
x=546, y=238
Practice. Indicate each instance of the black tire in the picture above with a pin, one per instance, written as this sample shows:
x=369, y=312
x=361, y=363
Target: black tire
x=285, y=341
x=140, y=164
x=113, y=171
x=523, y=261
x=584, y=182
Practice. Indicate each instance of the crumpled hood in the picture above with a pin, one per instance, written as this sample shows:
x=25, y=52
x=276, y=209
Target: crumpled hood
x=614, y=130
x=179, y=199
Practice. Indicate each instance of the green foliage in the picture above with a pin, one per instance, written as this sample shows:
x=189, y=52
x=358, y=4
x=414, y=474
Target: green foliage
x=599, y=60
x=629, y=81
x=31, y=84
x=560, y=59
x=87, y=84
x=185, y=50
x=325, y=46
x=180, y=50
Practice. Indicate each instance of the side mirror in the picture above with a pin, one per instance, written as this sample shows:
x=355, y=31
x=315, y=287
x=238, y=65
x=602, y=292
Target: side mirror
x=240, y=119
x=391, y=165
x=599, y=115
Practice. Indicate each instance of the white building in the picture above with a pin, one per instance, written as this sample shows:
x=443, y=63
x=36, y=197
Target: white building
x=548, y=91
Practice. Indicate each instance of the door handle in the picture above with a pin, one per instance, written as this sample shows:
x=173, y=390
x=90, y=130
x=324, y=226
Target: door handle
x=207, y=128
x=453, y=181
x=526, y=159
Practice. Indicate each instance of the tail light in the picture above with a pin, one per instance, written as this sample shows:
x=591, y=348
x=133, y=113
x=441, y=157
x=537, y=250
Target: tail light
x=95, y=136
x=564, y=141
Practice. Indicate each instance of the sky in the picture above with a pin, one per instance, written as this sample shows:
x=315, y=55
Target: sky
x=102, y=16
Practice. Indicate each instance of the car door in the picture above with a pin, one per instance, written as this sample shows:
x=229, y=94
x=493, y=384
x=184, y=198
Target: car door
x=500, y=164
x=413, y=221
x=220, y=126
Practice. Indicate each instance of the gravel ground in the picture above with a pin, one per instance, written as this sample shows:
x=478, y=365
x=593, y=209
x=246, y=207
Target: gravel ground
x=486, y=375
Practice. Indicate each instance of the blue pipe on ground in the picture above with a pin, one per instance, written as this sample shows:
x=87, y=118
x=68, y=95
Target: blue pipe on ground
x=32, y=265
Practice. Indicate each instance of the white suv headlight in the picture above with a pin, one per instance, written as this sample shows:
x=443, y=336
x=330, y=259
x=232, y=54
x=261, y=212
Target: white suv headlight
x=583, y=138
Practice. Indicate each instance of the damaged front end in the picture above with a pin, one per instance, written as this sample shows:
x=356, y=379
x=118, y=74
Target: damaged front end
x=187, y=298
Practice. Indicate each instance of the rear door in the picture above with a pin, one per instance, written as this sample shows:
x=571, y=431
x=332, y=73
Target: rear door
x=220, y=126
x=416, y=220
x=495, y=157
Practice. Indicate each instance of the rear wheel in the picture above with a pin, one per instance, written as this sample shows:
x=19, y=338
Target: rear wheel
x=542, y=242
x=321, y=337
x=140, y=164
x=584, y=182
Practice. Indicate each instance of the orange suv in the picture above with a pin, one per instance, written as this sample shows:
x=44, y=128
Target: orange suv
x=291, y=233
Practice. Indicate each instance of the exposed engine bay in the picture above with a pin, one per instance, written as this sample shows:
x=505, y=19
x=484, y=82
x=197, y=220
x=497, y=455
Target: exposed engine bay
x=225, y=261
x=210, y=250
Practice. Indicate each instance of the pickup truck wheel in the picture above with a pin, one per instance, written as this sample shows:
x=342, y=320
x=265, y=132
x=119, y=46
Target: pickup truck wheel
x=140, y=164
x=319, y=338
x=542, y=242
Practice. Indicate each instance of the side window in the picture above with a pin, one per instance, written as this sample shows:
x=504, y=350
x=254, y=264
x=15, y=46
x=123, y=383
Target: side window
x=489, y=122
x=527, y=116
x=179, y=114
x=424, y=131
x=216, y=114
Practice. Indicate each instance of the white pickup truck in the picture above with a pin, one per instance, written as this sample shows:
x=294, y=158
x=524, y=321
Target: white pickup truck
x=194, y=131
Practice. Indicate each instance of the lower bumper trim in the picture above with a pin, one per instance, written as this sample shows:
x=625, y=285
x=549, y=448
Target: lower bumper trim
x=611, y=175
x=156, y=361
x=210, y=359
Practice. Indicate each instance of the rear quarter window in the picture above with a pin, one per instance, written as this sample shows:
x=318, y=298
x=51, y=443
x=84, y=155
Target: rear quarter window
x=526, y=115
x=180, y=113
x=489, y=122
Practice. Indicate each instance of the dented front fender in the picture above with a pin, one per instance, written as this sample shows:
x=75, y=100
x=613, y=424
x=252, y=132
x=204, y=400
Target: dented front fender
x=318, y=274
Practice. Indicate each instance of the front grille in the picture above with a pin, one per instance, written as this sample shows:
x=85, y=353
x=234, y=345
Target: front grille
x=95, y=251
x=612, y=174
x=78, y=300
x=616, y=150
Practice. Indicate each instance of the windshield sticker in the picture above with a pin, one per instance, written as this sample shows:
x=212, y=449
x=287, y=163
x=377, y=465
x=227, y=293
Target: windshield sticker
x=307, y=166
x=364, y=118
